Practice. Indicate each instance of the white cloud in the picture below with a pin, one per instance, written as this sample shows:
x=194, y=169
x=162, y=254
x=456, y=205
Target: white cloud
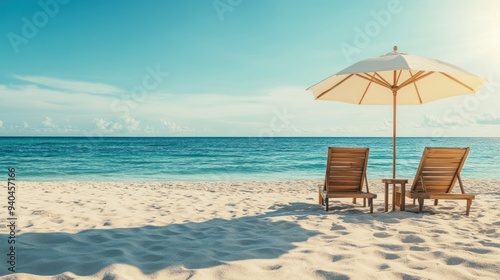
x=130, y=123
x=25, y=124
x=471, y=120
x=125, y=123
x=1, y=124
x=432, y=121
x=488, y=118
x=384, y=125
x=48, y=123
x=107, y=126
x=150, y=130
x=101, y=124
x=172, y=127
x=70, y=85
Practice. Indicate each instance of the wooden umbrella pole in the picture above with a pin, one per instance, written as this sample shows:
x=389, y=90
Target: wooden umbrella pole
x=394, y=93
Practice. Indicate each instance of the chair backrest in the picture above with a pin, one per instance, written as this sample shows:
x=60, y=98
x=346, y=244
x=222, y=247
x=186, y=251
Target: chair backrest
x=346, y=169
x=439, y=169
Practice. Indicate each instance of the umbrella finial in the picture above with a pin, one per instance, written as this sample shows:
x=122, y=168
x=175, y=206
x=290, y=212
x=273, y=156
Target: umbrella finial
x=395, y=48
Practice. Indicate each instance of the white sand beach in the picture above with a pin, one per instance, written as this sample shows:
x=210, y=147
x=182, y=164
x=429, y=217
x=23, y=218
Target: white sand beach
x=245, y=230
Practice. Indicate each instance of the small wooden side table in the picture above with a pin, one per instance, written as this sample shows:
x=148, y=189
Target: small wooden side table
x=394, y=182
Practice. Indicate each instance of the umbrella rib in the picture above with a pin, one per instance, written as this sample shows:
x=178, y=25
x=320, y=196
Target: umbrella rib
x=386, y=82
x=334, y=86
x=416, y=88
x=364, y=93
x=411, y=79
x=373, y=79
x=399, y=75
x=457, y=81
x=416, y=78
x=394, y=78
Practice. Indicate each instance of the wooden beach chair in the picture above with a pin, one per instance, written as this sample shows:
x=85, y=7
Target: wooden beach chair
x=345, y=175
x=436, y=176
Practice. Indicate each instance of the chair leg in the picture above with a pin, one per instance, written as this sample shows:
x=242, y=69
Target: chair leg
x=414, y=201
x=469, y=203
x=364, y=202
x=435, y=202
x=326, y=203
x=370, y=201
x=420, y=204
x=353, y=200
x=320, y=198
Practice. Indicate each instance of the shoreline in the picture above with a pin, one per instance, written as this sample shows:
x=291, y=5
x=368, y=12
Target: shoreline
x=246, y=230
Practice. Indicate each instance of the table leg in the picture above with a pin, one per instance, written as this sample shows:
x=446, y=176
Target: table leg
x=403, y=197
x=386, y=197
x=393, y=197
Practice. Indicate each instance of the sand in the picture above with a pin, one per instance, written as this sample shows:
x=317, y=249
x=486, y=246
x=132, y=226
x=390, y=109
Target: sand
x=244, y=230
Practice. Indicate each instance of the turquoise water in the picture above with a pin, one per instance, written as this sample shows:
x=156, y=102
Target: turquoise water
x=221, y=159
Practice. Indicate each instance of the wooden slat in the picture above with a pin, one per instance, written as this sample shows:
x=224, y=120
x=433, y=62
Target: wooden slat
x=349, y=154
x=345, y=168
x=350, y=195
x=453, y=151
x=352, y=181
x=439, y=169
x=452, y=196
x=353, y=177
x=341, y=169
x=348, y=151
x=441, y=196
x=436, y=187
x=356, y=178
x=348, y=163
x=343, y=189
x=441, y=165
x=434, y=180
x=337, y=184
x=344, y=159
x=441, y=173
x=345, y=175
x=445, y=162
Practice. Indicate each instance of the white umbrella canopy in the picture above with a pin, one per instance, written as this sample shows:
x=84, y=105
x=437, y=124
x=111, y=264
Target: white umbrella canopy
x=396, y=79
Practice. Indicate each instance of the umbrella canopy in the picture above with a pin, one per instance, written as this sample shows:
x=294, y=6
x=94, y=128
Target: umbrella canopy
x=396, y=79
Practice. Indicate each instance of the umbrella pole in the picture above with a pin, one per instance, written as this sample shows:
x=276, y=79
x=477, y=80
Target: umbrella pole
x=394, y=94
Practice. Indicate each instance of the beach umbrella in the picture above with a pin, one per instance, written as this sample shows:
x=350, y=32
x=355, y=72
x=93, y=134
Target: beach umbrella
x=396, y=79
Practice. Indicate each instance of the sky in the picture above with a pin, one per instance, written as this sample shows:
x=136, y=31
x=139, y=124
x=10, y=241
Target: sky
x=233, y=67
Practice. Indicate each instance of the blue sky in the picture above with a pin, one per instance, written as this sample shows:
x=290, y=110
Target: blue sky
x=232, y=67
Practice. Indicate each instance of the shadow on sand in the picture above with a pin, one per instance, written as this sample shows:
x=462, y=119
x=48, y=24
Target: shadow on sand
x=153, y=248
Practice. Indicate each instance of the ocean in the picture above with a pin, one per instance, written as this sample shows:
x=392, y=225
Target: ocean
x=136, y=159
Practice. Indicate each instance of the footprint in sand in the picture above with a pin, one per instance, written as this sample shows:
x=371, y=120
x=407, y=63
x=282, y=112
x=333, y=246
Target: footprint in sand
x=336, y=258
x=478, y=250
x=391, y=247
x=392, y=256
x=490, y=244
x=384, y=266
x=412, y=239
x=274, y=267
x=382, y=234
x=338, y=227
x=331, y=275
x=419, y=248
x=439, y=231
x=454, y=261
